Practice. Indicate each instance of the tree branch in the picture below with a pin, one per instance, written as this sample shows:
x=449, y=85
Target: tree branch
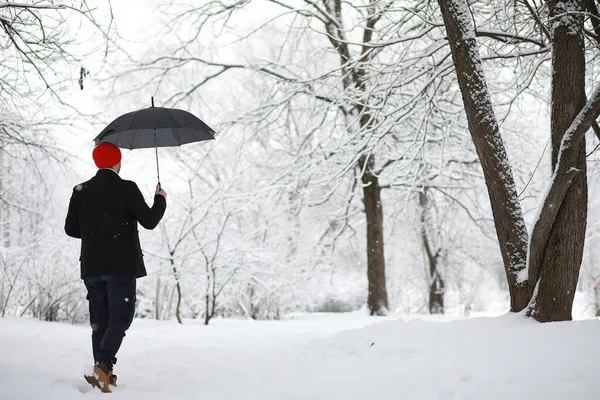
x=592, y=9
x=510, y=38
x=561, y=180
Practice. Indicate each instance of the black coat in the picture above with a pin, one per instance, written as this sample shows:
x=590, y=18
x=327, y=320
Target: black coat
x=104, y=213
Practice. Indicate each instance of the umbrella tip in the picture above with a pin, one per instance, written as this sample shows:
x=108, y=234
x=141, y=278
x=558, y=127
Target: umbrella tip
x=152, y=98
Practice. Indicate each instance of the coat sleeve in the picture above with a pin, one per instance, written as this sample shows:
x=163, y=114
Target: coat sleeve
x=148, y=217
x=72, y=221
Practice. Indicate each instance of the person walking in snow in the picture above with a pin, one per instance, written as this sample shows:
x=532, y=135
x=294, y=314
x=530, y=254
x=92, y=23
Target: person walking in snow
x=104, y=213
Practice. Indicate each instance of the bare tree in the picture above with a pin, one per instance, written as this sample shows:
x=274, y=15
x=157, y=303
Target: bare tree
x=38, y=58
x=38, y=53
x=544, y=275
x=213, y=289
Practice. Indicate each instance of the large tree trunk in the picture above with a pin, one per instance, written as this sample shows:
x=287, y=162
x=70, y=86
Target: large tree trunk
x=377, y=299
x=483, y=126
x=436, y=280
x=563, y=251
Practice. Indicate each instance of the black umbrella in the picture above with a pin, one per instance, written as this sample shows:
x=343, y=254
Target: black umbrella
x=155, y=127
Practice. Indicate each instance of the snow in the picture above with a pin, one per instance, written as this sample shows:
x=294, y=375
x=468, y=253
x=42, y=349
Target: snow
x=568, y=13
x=323, y=356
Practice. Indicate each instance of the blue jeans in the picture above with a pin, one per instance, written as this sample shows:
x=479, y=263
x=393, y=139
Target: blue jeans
x=112, y=306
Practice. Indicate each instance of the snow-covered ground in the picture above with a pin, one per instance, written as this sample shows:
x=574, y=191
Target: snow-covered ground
x=323, y=356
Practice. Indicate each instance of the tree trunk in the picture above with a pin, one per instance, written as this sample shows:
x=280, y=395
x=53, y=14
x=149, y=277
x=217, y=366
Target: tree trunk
x=377, y=298
x=178, y=307
x=207, y=315
x=594, y=15
x=563, y=250
x=436, y=281
x=5, y=211
x=211, y=296
x=596, y=290
x=157, y=300
x=355, y=83
x=483, y=126
x=178, y=286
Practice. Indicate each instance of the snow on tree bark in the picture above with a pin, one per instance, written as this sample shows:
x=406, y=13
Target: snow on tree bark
x=483, y=126
x=555, y=250
x=557, y=240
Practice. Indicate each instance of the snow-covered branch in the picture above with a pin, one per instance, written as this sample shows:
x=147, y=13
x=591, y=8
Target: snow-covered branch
x=560, y=182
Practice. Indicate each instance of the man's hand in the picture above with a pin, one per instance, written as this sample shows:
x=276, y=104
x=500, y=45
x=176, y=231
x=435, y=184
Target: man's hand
x=160, y=192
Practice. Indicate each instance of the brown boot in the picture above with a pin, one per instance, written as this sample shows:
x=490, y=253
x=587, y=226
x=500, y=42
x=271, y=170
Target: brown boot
x=93, y=380
x=103, y=377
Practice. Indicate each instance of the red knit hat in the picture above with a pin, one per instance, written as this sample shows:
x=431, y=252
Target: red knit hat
x=106, y=155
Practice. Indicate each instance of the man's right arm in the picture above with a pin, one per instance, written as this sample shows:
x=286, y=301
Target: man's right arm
x=148, y=217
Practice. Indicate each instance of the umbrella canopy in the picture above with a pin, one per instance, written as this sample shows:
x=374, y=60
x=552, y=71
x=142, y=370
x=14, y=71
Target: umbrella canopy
x=155, y=127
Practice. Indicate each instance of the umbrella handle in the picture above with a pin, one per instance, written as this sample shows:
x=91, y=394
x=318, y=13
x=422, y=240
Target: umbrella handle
x=157, y=168
x=156, y=151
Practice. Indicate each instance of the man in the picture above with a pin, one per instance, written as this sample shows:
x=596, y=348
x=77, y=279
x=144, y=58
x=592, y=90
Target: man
x=104, y=213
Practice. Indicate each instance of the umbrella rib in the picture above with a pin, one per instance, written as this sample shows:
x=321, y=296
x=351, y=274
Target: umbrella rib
x=137, y=131
x=177, y=138
x=175, y=126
